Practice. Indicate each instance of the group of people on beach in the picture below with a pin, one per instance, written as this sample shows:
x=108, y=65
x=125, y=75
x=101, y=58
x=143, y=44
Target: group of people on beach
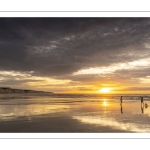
x=143, y=105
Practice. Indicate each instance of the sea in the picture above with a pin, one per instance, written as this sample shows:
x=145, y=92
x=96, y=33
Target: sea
x=75, y=113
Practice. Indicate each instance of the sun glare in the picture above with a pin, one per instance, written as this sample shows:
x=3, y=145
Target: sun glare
x=105, y=103
x=105, y=90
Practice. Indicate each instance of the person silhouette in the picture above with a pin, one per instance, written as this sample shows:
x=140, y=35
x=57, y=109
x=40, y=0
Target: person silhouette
x=121, y=99
x=142, y=105
x=146, y=105
x=141, y=99
x=121, y=108
x=142, y=109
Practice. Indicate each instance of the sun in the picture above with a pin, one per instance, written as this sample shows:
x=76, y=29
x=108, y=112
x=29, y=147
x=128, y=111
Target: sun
x=105, y=90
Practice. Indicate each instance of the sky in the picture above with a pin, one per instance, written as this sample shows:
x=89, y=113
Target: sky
x=76, y=55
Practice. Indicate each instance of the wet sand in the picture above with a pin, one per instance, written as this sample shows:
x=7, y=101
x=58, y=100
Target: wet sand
x=59, y=124
x=48, y=114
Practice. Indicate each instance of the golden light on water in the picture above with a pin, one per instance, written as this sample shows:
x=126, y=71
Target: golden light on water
x=105, y=103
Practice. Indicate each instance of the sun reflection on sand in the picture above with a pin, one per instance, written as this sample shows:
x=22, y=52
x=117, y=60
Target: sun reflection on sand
x=105, y=103
x=111, y=116
x=102, y=114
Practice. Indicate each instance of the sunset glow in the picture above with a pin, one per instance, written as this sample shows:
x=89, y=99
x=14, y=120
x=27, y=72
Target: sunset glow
x=75, y=74
x=115, y=67
x=105, y=103
x=105, y=90
x=76, y=55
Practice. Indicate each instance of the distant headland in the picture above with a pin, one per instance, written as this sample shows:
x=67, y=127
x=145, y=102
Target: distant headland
x=6, y=90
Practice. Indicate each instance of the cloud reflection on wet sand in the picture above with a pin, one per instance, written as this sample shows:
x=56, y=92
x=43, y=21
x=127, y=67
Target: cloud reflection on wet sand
x=110, y=122
x=14, y=112
x=99, y=114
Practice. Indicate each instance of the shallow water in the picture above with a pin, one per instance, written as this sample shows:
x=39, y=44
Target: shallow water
x=60, y=113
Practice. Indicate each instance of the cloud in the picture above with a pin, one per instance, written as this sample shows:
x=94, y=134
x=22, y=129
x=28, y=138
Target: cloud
x=135, y=89
x=115, y=67
x=58, y=47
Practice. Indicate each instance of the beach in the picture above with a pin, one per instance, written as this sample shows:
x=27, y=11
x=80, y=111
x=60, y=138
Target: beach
x=72, y=114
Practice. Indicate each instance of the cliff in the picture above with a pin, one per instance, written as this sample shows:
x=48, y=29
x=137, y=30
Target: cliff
x=10, y=90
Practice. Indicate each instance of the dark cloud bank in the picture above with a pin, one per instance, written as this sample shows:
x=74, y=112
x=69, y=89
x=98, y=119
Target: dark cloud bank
x=57, y=47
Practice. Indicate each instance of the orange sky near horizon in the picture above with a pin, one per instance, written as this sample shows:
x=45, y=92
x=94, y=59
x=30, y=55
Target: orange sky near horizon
x=76, y=87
